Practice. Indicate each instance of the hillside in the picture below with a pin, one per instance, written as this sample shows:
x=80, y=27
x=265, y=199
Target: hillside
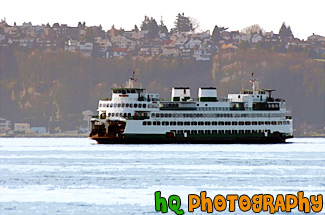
x=36, y=86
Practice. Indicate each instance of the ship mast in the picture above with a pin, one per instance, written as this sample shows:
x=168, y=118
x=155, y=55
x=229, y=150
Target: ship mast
x=254, y=82
x=131, y=80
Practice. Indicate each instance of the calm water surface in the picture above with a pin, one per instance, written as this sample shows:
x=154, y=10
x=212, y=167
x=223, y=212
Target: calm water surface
x=75, y=176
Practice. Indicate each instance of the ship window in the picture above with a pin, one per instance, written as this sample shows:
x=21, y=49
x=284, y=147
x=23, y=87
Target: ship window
x=165, y=123
x=140, y=105
x=154, y=123
x=173, y=123
x=241, y=123
x=129, y=114
x=214, y=131
x=170, y=115
x=100, y=105
x=267, y=122
x=131, y=105
x=113, y=114
x=247, y=131
x=207, y=123
x=193, y=131
x=144, y=105
x=162, y=115
x=144, y=123
x=166, y=115
x=179, y=123
x=187, y=123
x=127, y=105
x=273, y=122
x=119, y=105
x=135, y=105
x=124, y=115
x=201, y=123
x=254, y=123
x=260, y=123
x=115, y=105
x=157, y=114
x=193, y=123
x=234, y=123
x=221, y=123
x=108, y=114
x=158, y=123
x=207, y=132
x=111, y=105
x=214, y=123
x=227, y=123
x=149, y=123
x=123, y=105
x=247, y=123
x=234, y=132
x=152, y=115
x=200, y=131
x=221, y=131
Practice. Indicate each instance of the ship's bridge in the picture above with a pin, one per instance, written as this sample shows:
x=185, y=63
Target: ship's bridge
x=261, y=95
x=133, y=94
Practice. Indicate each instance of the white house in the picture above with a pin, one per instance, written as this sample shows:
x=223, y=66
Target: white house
x=123, y=42
x=256, y=38
x=5, y=125
x=170, y=51
x=71, y=45
x=86, y=48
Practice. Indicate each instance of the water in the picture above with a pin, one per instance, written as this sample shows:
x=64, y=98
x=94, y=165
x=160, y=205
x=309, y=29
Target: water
x=75, y=176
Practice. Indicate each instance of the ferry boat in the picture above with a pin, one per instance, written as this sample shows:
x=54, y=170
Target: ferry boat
x=134, y=116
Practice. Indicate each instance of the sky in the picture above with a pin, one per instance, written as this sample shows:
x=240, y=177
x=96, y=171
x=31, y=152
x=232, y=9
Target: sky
x=305, y=17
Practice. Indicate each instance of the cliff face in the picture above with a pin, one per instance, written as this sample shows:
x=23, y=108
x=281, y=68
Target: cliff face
x=36, y=86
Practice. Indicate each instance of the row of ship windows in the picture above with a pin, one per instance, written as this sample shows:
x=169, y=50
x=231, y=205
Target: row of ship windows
x=221, y=131
x=201, y=123
x=200, y=115
x=127, y=105
x=214, y=115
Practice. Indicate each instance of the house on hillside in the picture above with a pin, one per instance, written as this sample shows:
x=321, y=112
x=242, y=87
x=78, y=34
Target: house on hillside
x=123, y=42
x=202, y=52
x=86, y=48
x=116, y=52
x=170, y=51
x=270, y=39
x=5, y=126
x=148, y=51
x=316, y=40
x=71, y=45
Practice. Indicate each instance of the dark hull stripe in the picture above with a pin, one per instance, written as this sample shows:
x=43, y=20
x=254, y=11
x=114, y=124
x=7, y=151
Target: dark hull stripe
x=150, y=139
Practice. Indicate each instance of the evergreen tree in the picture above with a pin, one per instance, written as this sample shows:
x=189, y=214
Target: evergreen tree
x=151, y=26
x=216, y=34
x=285, y=32
x=136, y=29
x=162, y=27
x=145, y=24
x=183, y=23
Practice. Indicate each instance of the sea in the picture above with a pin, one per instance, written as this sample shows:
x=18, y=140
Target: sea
x=77, y=176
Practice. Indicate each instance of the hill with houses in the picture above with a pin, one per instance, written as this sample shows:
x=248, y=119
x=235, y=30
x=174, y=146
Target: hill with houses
x=114, y=43
x=51, y=74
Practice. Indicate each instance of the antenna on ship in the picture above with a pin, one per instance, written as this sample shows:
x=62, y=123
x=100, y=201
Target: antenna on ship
x=255, y=82
x=132, y=80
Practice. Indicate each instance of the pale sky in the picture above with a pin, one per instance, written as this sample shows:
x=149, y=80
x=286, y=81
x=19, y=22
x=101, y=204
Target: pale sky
x=305, y=17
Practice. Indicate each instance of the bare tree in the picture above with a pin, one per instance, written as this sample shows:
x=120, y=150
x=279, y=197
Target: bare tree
x=254, y=29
